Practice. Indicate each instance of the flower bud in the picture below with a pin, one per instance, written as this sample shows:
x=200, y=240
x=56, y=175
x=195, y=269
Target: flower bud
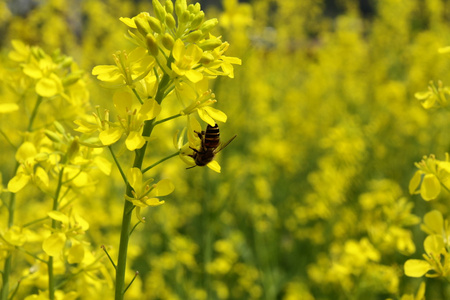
x=206, y=58
x=40, y=157
x=155, y=24
x=152, y=44
x=74, y=148
x=168, y=41
x=184, y=18
x=37, y=52
x=67, y=61
x=142, y=26
x=210, y=44
x=194, y=8
x=159, y=10
x=169, y=7
x=180, y=7
x=71, y=79
x=170, y=21
x=198, y=19
x=53, y=136
x=194, y=36
x=59, y=127
x=208, y=25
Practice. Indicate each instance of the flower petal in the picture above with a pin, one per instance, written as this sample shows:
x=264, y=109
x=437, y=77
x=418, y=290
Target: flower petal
x=414, y=182
x=134, y=177
x=430, y=187
x=18, y=182
x=416, y=267
x=134, y=141
x=47, y=87
x=111, y=135
x=8, y=107
x=76, y=254
x=164, y=187
x=54, y=244
x=214, y=165
x=216, y=114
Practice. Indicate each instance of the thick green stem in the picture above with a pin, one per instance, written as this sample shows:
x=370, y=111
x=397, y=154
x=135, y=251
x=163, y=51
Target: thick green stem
x=126, y=221
x=128, y=206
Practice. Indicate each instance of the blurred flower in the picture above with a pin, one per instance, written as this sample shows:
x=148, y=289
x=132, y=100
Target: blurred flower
x=436, y=96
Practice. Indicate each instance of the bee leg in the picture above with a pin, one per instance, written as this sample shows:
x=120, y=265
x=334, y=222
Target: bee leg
x=201, y=136
x=195, y=150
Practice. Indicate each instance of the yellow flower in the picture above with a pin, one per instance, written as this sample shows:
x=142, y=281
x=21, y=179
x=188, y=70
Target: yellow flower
x=27, y=155
x=186, y=61
x=72, y=225
x=431, y=175
x=217, y=64
x=201, y=98
x=145, y=195
x=436, y=260
x=129, y=68
x=132, y=118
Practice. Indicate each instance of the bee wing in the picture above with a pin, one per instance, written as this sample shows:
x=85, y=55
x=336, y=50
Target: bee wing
x=223, y=145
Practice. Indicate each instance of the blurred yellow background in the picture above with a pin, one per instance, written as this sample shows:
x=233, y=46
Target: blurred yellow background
x=312, y=201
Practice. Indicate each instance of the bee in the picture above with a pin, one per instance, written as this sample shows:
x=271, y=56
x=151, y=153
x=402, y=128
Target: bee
x=210, y=146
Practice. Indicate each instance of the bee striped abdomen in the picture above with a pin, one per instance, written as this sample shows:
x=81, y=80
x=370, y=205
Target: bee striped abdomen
x=212, y=137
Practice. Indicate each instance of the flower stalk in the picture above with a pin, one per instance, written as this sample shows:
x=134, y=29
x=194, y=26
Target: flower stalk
x=51, y=278
x=11, y=208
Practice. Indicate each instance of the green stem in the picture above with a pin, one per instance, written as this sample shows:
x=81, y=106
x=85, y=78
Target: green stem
x=126, y=220
x=51, y=278
x=167, y=119
x=160, y=161
x=135, y=225
x=132, y=280
x=5, y=275
x=15, y=290
x=7, y=139
x=34, y=113
x=109, y=257
x=11, y=207
x=137, y=96
x=122, y=173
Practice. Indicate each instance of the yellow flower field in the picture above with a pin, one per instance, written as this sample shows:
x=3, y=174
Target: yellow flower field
x=239, y=150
